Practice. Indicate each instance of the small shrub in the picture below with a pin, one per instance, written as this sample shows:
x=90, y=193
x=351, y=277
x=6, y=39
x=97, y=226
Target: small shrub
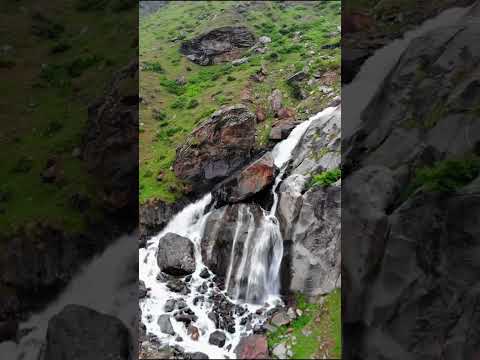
x=23, y=165
x=53, y=127
x=78, y=66
x=172, y=87
x=179, y=103
x=326, y=178
x=231, y=78
x=153, y=67
x=192, y=103
x=159, y=115
x=60, y=48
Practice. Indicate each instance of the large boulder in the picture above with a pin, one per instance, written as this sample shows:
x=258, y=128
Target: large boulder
x=251, y=180
x=252, y=347
x=219, y=147
x=110, y=146
x=219, y=45
x=80, y=333
x=176, y=255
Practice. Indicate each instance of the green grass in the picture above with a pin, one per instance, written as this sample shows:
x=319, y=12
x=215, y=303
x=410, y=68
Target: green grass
x=317, y=330
x=185, y=106
x=446, y=176
x=67, y=72
x=326, y=178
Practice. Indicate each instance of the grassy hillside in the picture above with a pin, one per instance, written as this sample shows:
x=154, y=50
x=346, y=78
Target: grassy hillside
x=55, y=58
x=169, y=111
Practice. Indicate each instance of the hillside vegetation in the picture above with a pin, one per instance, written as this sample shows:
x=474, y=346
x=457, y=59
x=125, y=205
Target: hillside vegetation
x=177, y=95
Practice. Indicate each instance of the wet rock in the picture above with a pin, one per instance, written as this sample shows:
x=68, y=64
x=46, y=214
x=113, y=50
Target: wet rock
x=281, y=129
x=198, y=299
x=214, y=317
x=165, y=324
x=176, y=286
x=198, y=355
x=169, y=305
x=250, y=181
x=86, y=327
x=193, y=332
x=204, y=274
x=218, y=45
x=142, y=290
x=181, y=304
x=259, y=329
x=217, y=338
x=176, y=255
x=252, y=347
x=186, y=316
x=219, y=147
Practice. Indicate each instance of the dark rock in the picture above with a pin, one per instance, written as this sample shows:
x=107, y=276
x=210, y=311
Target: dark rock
x=198, y=355
x=252, y=347
x=249, y=181
x=154, y=214
x=204, y=274
x=219, y=45
x=299, y=76
x=188, y=278
x=8, y=330
x=97, y=336
x=185, y=318
x=219, y=147
x=198, y=299
x=142, y=290
x=110, y=146
x=181, y=304
x=169, y=305
x=281, y=129
x=176, y=255
x=217, y=338
x=165, y=325
x=214, y=317
x=176, y=286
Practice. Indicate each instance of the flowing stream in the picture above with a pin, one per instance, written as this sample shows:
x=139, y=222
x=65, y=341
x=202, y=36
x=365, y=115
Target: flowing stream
x=253, y=284
x=107, y=284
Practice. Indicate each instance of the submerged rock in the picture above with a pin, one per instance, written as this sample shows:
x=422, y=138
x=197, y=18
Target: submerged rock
x=217, y=338
x=176, y=255
x=165, y=325
x=219, y=45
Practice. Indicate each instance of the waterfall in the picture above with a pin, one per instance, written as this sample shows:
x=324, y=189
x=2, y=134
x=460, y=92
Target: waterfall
x=101, y=286
x=251, y=280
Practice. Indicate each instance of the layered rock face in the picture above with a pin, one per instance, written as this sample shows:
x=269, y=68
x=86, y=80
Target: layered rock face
x=410, y=259
x=249, y=181
x=86, y=327
x=218, y=45
x=310, y=216
x=111, y=142
x=219, y=147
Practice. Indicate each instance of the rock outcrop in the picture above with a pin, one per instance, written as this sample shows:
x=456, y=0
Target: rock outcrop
x=176, y=255
x=86, y=327
x=219, y=147
x=219, y=45
x=309, y=217
x=110, y=146
x=410, y=258
x=251, y=180
x=252, y=347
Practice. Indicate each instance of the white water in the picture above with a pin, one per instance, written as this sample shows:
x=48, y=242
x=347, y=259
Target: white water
x=358, y=94
x=101, y=286
x=252, y=282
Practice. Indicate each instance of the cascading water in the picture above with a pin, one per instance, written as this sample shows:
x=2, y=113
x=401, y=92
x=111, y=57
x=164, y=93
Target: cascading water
x=100, y=286
x=251, y=280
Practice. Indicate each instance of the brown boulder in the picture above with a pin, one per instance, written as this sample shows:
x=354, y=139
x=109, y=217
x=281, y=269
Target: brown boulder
x=286, y=113
x=252, y=347
x=219, y=147
x=260, y=114
x=250, y=181
x=281, y=129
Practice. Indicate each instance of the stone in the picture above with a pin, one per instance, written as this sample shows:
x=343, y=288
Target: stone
x=240, y=61
x=165, y=324
x=193, y=332
x=275, y=100
x=286, y=113
x=252, y=347
x=217, y=338
x=198, y=356
x=176, y=255
x=169, y=305
x=260, y=115
x=264, y=40
x=298, y=76
x=280, y=351
x=280, y=318
x=219, y=45
x=251, y=180
x=142, y=290
x=87, y=327
x=204, y=274
x=217, y=148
